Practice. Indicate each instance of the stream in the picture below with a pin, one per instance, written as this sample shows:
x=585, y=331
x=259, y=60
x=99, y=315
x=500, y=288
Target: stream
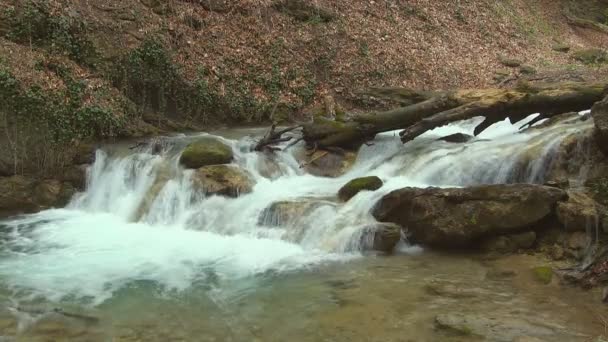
x=142, y=255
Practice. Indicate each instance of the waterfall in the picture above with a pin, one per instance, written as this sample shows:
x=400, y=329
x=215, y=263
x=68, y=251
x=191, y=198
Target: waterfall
x=142, y=220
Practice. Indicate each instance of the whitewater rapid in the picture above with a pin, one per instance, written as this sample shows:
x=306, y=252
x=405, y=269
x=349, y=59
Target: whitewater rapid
x=141, y=220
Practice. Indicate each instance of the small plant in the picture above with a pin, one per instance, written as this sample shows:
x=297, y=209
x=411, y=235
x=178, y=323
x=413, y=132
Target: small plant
x=363, y=49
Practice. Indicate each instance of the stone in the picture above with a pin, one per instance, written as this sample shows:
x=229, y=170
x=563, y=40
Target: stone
x=382, y=237
x=578, y=241
x=223, y=180
x=21, y=194
x=286, y=213
x=509, y=243
x=474, y=213
x=84, y=154
x=557, y=252
x=578, y=213
x=564, y=48
x=543, y=274
x=457, y=138
x=204, y=152
x=489, y=326
x=352, y=188
x=510, y=62
x=450, y=290
x=599, y=112
x=76, y=175
x=325, y=163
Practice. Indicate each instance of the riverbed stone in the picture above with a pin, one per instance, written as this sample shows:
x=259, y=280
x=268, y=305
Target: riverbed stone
x=492, y=327
x=326, y=163
x=204, y=152
x=223, y=180
x=579, y=212
x=543, y=274
x=460, y=217
x=352, y=188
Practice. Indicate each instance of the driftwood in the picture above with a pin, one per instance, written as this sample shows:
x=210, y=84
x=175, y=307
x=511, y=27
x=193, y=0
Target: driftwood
x=451, y=106
x=272, y=138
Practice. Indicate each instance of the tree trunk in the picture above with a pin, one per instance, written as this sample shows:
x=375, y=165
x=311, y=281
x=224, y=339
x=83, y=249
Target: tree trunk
x=451, y=106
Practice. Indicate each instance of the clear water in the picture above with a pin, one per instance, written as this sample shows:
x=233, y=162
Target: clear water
x=154, y=259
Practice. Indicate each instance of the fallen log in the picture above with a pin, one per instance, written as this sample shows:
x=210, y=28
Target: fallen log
x=451, y=106
x=272, y=138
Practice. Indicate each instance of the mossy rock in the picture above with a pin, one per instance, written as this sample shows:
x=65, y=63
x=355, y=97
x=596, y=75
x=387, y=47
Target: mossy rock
x=350, y=189
x=527, y=70
x=510, y=62
x=223, y=180
x=204, y=152
x=564, y=48
x=591, y=56
x=543, y=274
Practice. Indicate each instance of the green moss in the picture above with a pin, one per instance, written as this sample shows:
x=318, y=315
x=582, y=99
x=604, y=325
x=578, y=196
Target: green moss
x=591, y=56
x=350, y=189
x=543, y=274
x=204, y=152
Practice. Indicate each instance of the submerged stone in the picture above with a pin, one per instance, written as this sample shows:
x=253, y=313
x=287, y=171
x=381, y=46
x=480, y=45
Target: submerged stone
x=205, y=152
x=350, y=189
x=456, y=138
x=381, y=237
x=509, y=243
x=543, y=274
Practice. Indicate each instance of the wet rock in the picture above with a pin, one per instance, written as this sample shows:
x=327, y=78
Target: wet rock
x=20, y=194
x=578, y=241
x=224, y=180
x=382, y=237
x=496, y=328
x=543, y=274
x=456, y=138
x=325, y=163
x=578, y=213
x=556, y=252
x=350, y=189
x=285, y=213
x=509, y=243
x=205, y=152
x=474, y=213
x=84, y=154
x=500, y=274
x=599, y=112
x=76, y=175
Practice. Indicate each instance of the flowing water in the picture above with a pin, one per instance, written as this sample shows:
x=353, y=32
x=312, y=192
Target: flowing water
x=143, y=255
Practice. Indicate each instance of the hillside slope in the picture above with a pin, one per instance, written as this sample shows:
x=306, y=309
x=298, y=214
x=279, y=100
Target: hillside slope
x=72, y=71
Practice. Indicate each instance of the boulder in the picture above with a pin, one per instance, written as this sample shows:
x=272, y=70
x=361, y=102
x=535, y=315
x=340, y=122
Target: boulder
x=325, y=163
x=456, y=138
x=20, y=194
x=84, y=154
x=224, y=180
x=205, y=152
x=579, y=212
x=76, y=175
x=543, y=274
x=350, y=189
x=382, y=237
x=459, y=217
x=509, y=243
x=599, y=112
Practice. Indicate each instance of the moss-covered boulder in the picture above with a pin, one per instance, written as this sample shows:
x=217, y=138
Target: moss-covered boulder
x=350, y=189
x=591, y=56
x=564, y=48
x=223, y=180
x=205, y=152
x=527, y=70
x=509, y=62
